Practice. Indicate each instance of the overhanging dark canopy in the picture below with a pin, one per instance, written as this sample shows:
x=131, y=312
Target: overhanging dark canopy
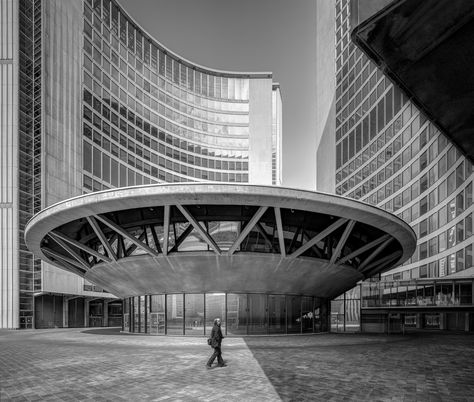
x=427, y=48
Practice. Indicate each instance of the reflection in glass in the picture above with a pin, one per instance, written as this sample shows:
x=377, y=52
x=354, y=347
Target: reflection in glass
x=257, y=307
x=317, y=314
x=194, y=314
x=276, y=314
x=142, y=314
x=293, y=304
x=307, y=314
x=136, y=314
x=215, y=308
x=224, y=233
x=236, y=314
x=156, y=314
x=174, y=314
x=240, y=314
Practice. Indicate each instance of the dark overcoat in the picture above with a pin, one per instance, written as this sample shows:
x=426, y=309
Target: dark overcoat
x=216, y=336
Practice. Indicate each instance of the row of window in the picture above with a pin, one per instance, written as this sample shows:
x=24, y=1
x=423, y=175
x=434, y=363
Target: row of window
x=152, y=150
x=369, y=128
x=356, y=71
x=454, y=262
x=113, y=20
x=123, y=147
x=354, y=109
x=390, y=152
x=382, y=143
x=147, y=120
x=137, y=128
x=110, y=170
x=139, y=87
x=454, y=235
x=158, y=109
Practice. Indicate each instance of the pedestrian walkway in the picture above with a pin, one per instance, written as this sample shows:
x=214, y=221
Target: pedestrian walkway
x=105, y=365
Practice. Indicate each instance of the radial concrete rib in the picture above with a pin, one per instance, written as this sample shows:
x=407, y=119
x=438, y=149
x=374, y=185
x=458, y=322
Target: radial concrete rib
x=379, y=263
x=281, y=238
x=319, y=237
x=363, y=249
x=375, y=253
x=181, y=238
x=166, y=229
x=70, y=251
x=208, y=239
x=262, y=231
x=63, y=258
x=81, y=246
x=98, y=231
x=155, y=238
x=342, y=241
x=126, y=235
x=133, y=247
x=295, y=237
x=313, y=247
x=243, y=234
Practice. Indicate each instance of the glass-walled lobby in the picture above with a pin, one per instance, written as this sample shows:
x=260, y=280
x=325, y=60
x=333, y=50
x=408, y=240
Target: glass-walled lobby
x=241, y=314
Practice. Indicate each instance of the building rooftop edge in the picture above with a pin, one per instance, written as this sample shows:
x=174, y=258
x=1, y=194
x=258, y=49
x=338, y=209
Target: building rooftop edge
x=231, y=74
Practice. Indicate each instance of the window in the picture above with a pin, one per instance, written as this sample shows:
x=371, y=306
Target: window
x=468, y=195
x=451, y=183
x=468, y=226
x=468, y=256
x=442, y=191
x=423, y=228
x=442, y=216
x=423, y=205
x=433, y=246
x=87, y=157
x=442, y=242
x=423, y=183
x=451, y=236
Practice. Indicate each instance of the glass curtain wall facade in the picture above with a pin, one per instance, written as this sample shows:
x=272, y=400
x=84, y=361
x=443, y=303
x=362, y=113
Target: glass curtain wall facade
x=240, y=313
x=30, y=110
x=389, y=155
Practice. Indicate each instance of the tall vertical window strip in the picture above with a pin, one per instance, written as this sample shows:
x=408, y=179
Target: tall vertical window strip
x=30, y=148
x=155, y=117
x=389, y=155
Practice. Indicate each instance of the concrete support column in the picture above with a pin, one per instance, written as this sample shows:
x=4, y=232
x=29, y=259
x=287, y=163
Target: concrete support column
x=105, y=322
x=86, y=313
x=65, y=312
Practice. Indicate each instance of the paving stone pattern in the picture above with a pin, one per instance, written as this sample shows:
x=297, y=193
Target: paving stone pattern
x=105, y=365
x=345, y=367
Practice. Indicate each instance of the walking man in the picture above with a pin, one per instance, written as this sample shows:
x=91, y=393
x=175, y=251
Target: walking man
x=216, y=340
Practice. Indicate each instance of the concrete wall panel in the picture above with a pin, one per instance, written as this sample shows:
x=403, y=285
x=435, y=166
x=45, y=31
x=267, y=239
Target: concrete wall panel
x=9, y=275
x=260, y=127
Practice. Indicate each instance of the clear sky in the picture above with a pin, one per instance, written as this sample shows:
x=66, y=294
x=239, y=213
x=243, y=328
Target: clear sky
x=250, y=35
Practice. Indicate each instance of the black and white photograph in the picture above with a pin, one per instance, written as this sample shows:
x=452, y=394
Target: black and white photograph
x=236, y=200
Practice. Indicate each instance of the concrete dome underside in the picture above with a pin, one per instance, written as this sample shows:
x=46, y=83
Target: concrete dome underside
x=196, y=238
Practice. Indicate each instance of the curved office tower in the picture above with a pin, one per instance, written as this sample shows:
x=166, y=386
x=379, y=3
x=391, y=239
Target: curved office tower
x=389, y=154
x=90, y=102
x=151, y=116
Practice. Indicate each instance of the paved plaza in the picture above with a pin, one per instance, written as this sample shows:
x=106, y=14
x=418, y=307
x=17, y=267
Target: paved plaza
x=105, y=365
